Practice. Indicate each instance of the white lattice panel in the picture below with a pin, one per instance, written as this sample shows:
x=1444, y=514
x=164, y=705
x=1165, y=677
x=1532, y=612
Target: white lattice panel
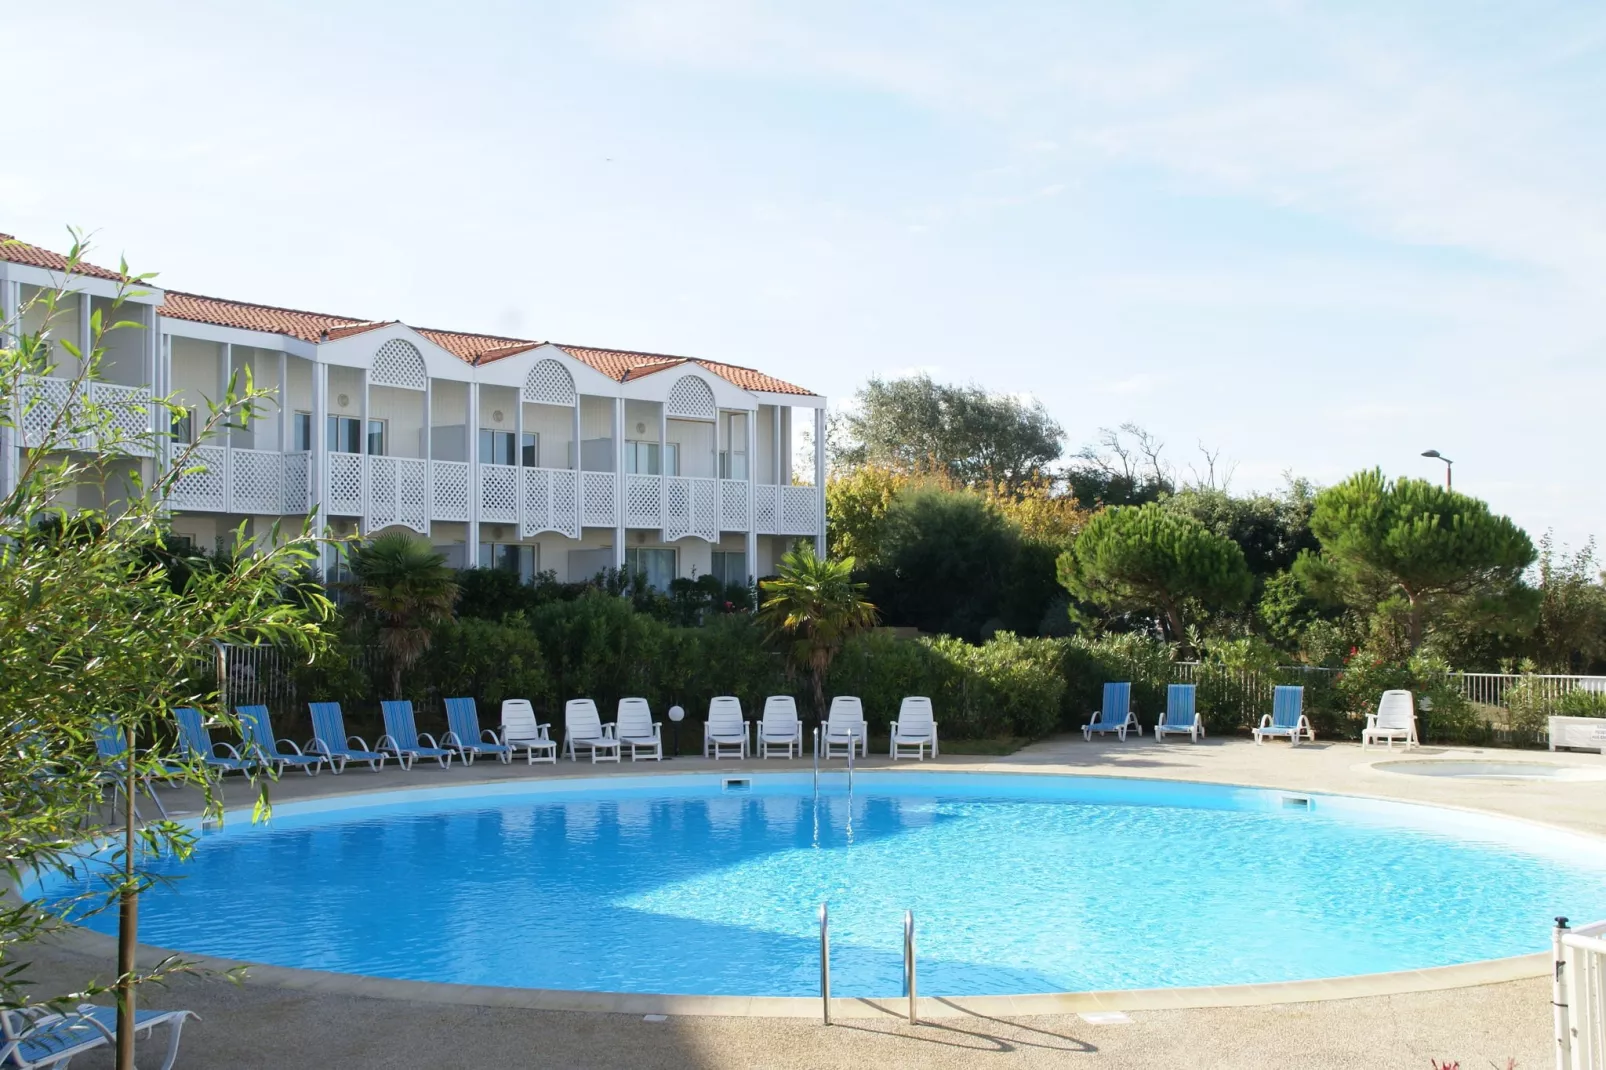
x=677, y=507
x=597, y=500
x=43, y=399
x=705, y=509
x=690, y=397
x=412, y=493
x=766, y=508
x=499, y=492
x=799, y=511
x=565, y=502
x=644, y=501
x=297, y=483
x=205, y=483
x=549, y=502
x=398, y=363
x=126, y=410
x=549, y=382
x=345, y=496
x=396, y=488
x=381, y=512
x=450, y=489
x=256, y=482
x=733, y=505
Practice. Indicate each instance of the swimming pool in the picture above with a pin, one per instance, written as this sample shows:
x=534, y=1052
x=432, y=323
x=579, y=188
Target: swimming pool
x=1019, y=883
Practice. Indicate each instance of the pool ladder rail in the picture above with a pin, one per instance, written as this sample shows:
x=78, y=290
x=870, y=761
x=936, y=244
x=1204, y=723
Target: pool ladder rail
x=852, y=746
x=908, y=963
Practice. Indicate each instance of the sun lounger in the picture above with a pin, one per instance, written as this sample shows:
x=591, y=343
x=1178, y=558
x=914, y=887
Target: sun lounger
x=725, y=729
x=1287, y=717
x=583, y=728
x=915, y=727
x=1395, y=719
x=271, y=751
x=467, y=738
x=330, y=740
x=1180, y=715
x=635, y=728
x=403, y=739
x=521, y=732
x=779, y=727
x=1115, y=715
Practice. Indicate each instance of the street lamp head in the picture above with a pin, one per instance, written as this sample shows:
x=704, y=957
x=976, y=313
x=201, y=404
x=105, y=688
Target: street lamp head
x=1431, y=453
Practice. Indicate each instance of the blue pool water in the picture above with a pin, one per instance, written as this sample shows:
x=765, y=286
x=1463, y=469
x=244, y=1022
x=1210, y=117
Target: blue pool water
x=1018, y=884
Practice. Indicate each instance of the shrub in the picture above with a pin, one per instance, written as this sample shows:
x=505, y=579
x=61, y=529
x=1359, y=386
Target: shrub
x=485, y=660
x=1025, y=685
x=1091, y=663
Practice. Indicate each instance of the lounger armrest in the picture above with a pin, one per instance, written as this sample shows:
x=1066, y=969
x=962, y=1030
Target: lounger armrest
x=1265, y=720
x=388, y=742
x=85, y=1016
x=231, y=752
x=657, y=731
x=362, y=744
x=450, y=740
x=1371, y=721
x=608, y=730
x=287, y=743
x=488, y=736
x=316, y=746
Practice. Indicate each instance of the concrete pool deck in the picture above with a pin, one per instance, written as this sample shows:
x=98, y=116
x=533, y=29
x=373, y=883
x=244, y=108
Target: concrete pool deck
x=277, y=1019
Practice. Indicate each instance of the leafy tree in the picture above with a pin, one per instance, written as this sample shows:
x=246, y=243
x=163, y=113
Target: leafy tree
x=813, y=606
x=856, y=504
x=1571, y=633
x=916, y=424
x=405, y=589
x=97, y=634
x=1124, y=467
x=1148, y=557
x=1413, y=550
x=1271, y=529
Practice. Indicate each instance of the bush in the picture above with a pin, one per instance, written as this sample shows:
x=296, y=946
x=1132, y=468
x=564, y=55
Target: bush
x=1091, y=663
x=1025, y=685
x=487, y=661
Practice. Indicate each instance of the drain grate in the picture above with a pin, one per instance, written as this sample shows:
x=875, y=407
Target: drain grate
x=1296, y=802
x=736, y=784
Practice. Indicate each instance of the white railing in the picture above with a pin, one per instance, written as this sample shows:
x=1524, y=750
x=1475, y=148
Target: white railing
x=1578, y=993
x=644, y=501
x=598, y=507
x=499, y=492
x=785, y=510
x=549, y=502
x=734, y=500
x=398, y=493
x=297, y=483
x=205, y=482
x=345, y=487
x=690, y=508
x=449, y=490
x=127, y=410
x=256, y=481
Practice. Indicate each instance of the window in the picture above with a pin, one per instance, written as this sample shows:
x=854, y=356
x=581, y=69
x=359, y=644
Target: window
x=183, y=426
x=344, y=434
x=496, y=447
x=733, y=458
x=521, y=560
x=376, y=438
x=729, y=568
x=303, y=432
x=641, y=458
x=657, y=565
x=530, y=450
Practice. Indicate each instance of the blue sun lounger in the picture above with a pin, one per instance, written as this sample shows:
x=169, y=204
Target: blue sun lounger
x=330, y=740
x=112, y=748
x=259, y=737
x=197, y=741
x=1116, y=713
x=1181, y=716
x=465, y=735
x=402, y=737
x=1287, y=717
x=34, y=1039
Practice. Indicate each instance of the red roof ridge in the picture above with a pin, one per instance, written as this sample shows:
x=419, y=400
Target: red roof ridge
x=48, y=260
x=353, y=320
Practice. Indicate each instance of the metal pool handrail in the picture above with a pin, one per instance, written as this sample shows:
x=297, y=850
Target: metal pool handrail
x=909, y=961
x=825, y=962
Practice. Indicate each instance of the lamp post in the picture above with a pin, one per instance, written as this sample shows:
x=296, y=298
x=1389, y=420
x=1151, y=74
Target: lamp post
x=1436, y=455
x=676, y=715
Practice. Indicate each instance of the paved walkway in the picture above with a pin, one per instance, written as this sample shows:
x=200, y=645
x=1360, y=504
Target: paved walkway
x=260, y=1025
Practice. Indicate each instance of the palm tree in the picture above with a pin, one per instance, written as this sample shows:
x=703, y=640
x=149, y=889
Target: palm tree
x=814, y=605
x=405, y=588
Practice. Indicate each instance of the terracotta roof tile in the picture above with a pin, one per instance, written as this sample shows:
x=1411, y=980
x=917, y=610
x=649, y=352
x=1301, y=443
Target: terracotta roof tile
x=20, y=252
x=622, y=365
x=476, y=348
x=295, y=322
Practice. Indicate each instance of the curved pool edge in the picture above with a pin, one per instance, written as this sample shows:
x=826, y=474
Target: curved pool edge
x=73, y=938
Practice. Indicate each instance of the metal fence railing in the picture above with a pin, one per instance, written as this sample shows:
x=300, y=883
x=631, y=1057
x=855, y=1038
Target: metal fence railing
x=1578, y=995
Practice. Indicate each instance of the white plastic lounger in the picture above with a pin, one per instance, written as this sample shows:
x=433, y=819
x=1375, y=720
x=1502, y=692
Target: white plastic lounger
x=1180, y=717
x=845, y=727
x=582, y=727
x=725, y=728
x=915, y=727
x=1395, y=719
x=521, y=732
x=780, y=727
x=259, y=738
x=330, y=740
x=197, y=742
x=37, y=1039
x=635, y=728
x=467, y=738
x=1116, y=714
x=1287, y=717
x=403, y=739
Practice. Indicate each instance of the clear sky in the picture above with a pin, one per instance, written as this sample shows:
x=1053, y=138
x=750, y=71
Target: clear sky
x=1317, y=237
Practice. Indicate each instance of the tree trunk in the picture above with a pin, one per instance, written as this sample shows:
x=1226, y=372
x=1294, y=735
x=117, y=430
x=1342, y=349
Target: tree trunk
x=1414, y=622
x=127, y=919
x=1173, y=618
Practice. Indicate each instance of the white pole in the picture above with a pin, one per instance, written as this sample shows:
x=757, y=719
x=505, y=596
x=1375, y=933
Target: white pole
x=472, y=427
x=1561, y=1019
x=10, y=332
x=819, y=482
x=619, y=480
x=751, y=549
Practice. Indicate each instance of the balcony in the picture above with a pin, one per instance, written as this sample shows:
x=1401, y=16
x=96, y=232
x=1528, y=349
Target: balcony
x=261, y=482
x=127, y=408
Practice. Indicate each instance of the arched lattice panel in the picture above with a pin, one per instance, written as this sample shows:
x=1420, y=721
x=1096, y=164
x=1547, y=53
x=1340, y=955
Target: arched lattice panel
x=691, y=397
x=549, y=382
x=398, y=363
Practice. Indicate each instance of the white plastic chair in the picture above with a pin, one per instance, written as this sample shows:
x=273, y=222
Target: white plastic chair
x=780, y=727
x=915, y=727
x=1395, y=719
x=582, y=727
x=725, y=728
x=845, y=727
x=521, y=732
x=635, y=728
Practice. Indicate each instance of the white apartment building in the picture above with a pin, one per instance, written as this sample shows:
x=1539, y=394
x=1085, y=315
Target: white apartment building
x=507, y=452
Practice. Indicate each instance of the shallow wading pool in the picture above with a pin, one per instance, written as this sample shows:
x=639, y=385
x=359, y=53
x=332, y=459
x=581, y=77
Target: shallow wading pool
x=690, y=884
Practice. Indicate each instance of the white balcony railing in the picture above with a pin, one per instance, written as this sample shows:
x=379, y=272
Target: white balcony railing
x=262, y=482
x=644, y=501
x=785, y=510
x=598, y=508
x=734, y=499
x=398, y=493
x=256, y=481
x=205, y=482
x=127, y=409
x=449, y=490
x=549, y=501
x=343, y=489
x=499, y=493
x=690, y=508
x=297, y=483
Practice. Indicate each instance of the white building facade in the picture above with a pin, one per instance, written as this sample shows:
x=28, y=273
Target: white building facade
x=528, y=455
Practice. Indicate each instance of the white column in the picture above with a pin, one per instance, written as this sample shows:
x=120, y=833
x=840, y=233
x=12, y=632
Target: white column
x=86, y=345
x=225, y=359
x=619, y=483
x=163, y=417
x=775, y=457
x=319, y=473
x=784, y=413
x=362, y=450
x=751, y=549
x=472, y=424
x=518, y=465
x=663, y=463
x=575, y=459
x=10, y=332
x=429, y=453
x=819, y=482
